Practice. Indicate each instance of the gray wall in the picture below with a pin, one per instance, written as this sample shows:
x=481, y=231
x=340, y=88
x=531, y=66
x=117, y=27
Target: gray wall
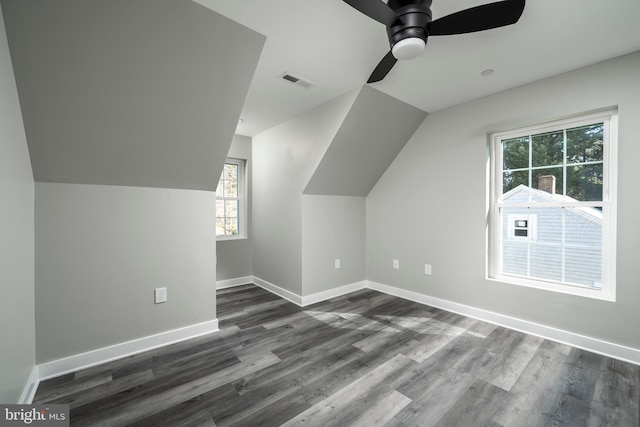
x=142, y=93
x=284, y=158
x=431, y=205
x=235, y=257
x=17, y=333
x=101, y=251
x=333, y=227
x=334, y=154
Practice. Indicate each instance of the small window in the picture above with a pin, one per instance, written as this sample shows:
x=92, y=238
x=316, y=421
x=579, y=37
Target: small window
x=552, y=212
x=521, y=229
x=231, y=201
x=522, y=226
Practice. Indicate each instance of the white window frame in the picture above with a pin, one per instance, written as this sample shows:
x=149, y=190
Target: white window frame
x=242, y=199
x=607, y=291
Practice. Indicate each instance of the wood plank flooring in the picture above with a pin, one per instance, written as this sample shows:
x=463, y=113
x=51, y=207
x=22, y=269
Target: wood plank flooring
x=363, y=359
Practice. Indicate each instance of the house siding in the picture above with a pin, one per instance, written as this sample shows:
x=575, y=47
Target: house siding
x=579, y=262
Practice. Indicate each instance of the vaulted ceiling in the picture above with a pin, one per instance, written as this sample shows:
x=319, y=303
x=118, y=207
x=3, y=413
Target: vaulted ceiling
x=331, y=44
x=130, y=93
x=149, y=92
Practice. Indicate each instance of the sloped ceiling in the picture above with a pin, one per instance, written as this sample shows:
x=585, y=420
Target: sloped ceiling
x=136, y=93
x=374, y=131
x=337, y=47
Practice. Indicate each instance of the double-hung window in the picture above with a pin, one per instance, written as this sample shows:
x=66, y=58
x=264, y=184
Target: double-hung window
x=552, y=210
x=231, y=201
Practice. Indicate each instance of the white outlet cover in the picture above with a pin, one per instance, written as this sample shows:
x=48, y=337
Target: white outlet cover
x=337, y=263
x=427, y=269
x=160, y=295
x=396, y=264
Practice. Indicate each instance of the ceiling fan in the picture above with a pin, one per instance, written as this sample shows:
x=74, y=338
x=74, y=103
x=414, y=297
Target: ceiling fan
x=409, y=25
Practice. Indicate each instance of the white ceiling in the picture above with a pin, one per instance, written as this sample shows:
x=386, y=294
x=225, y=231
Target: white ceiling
x=333, y=45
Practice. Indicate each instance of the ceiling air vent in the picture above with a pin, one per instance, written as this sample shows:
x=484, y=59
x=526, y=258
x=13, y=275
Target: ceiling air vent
x=299, y=81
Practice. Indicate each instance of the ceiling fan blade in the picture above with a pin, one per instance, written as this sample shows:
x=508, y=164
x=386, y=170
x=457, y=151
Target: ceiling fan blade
x=375, y=9
x=479, y=18
x=383, y=68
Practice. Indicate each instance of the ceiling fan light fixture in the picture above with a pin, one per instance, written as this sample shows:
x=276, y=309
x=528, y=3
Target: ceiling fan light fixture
x=408, y=48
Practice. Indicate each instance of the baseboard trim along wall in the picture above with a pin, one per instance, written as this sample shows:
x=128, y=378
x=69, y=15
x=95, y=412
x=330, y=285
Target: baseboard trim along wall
x=30, y=389
x=593, y=345
x=605, y=348
x=230, y=283
x=332, y=293
x=76, y=362
x=304, y=301
x=281, y=292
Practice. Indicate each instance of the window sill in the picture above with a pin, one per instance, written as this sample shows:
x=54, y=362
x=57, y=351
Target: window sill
x=230, y=238
x=600, y=294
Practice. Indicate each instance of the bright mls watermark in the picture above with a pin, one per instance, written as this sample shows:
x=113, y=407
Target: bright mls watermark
x=34, y=415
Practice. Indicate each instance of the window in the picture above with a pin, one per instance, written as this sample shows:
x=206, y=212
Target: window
x=522, y=227
x=230, y=201
x=552, y=210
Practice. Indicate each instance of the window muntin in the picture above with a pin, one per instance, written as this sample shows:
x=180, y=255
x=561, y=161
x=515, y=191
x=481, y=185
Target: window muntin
x=556, y=178
x=230, y=201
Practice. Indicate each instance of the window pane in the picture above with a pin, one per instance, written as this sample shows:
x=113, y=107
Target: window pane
x=584, y=266
x=231, y=208
x=542, y=179
x=230, y=172
x=583, y=246
x=512, y=179
x=231, y=226
x=584, y=183
x=514, y=255
x=219, y=208
x=583, y=227
x=231, y=188
x=546, y=261
x=220, y=230
x=549, y=225
x=515, y=153
x=547, y=148
x=585, y=144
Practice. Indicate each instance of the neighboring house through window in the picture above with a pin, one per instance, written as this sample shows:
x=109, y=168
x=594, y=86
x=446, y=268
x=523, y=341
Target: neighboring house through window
x=553, y=206
x=231, y=201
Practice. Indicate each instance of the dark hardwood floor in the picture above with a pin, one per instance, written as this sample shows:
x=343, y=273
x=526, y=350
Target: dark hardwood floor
x=363, y=359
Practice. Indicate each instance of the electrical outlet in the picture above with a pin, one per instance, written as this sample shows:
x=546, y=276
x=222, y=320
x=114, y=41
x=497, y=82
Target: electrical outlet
x=160, y=295
x=396, y=264
x=336, y=263
x=427, y=269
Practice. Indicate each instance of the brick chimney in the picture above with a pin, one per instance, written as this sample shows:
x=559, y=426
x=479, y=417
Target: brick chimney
x=547, y=183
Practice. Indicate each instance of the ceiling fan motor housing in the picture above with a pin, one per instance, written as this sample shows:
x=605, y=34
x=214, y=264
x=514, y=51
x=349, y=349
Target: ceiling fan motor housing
x=414, y=16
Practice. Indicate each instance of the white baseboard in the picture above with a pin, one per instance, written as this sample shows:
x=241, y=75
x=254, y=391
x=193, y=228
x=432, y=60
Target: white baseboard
x=30, y=389
x=95, y=357
x=230, y=283
x=76, y=362
x=281, y=292
x=332, y=293
x=594, y=345
x=304, y=301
